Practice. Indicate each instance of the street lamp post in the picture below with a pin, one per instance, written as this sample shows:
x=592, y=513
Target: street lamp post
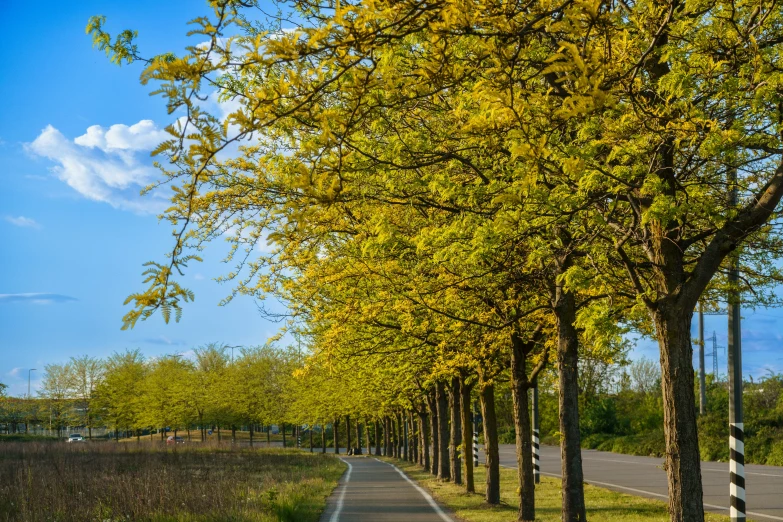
x=28, y=380
x=232, y=351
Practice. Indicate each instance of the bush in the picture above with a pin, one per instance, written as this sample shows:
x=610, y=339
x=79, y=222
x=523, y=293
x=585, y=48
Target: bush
x=599, y=416
x=507, y=435
x=775, y=457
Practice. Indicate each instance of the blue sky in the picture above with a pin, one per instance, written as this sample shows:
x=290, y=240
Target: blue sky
x=72, y=225
x=75, y=135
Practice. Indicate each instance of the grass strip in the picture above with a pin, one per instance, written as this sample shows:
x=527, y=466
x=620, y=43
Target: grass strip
x=602, y=504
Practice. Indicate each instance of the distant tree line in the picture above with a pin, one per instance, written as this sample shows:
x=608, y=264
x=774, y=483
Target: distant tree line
x=133, y=394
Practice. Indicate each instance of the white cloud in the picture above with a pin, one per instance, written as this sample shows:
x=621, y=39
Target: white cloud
x=15, y=372
x=104, y=165
x=36, y=298
x=24, y=222
x=144, y=135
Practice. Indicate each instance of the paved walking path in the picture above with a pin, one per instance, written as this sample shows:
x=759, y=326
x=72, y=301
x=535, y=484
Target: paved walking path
x=372, y=490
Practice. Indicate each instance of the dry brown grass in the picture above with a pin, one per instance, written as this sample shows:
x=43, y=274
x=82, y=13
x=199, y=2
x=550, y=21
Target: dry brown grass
x=107, y=481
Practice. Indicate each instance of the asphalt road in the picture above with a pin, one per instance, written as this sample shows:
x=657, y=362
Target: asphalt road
x=644, y=476
x=374, y=490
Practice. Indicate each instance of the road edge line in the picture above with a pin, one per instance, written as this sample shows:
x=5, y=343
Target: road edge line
x=713, y=506
x=341, y=499
x=431, y=501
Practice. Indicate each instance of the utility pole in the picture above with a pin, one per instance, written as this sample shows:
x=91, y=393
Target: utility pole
x=702, y=378
x=736, y=424
x=715, y=369
x=536, y=426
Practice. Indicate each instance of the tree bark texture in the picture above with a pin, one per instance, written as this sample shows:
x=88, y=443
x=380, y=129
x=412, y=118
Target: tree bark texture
x=432, y=403
x=570, y=445
x=444, y=473
x=336, y=432
x=414, y=456
x=387, y=437
x=487, y=397
x=683, y=467
x=424, y=440
x=455, y=438
x=377, y=438
x=524, y=446
x=348, y=447
x=405, y=435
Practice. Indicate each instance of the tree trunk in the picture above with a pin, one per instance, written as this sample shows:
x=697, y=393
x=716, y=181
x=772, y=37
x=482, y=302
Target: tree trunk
x=487, y=396
x=386, y=435
x=444, y=473
x=269, y=436
x=401, y=428
x=570, y=444
x=394, y=435
x=358, y=449
x=455, y=438
x=432, y=403
x=311, y=438
x=683, y=468
x=323, y=438
x=282, y=429
x=251, y=435
x=519, y=390
x=406, y=436
x=349, y=446
x=414, y=438
x=336, y=432
x=424, y=440
x=467, y=434
x=377, y=438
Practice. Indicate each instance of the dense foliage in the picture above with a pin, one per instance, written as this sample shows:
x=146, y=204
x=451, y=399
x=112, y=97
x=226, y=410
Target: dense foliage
x=458, y=193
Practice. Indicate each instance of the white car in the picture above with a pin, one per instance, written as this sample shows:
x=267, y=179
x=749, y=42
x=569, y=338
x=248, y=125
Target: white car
x=75, y=438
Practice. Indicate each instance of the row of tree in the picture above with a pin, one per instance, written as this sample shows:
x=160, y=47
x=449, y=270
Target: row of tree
x=454, y=191
x=130, y=393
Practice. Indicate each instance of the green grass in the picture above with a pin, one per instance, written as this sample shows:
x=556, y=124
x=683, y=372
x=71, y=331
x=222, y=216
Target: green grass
x=112, y=482
x=602, y=504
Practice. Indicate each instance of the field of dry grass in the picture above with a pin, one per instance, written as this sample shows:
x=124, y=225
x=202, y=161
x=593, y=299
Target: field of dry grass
x=108, y=481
